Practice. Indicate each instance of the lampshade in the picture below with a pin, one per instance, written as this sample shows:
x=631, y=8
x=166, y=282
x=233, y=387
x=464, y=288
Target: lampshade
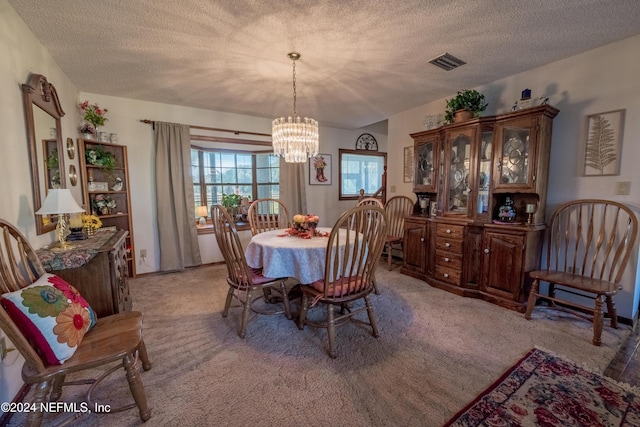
x=59, y=201
x=202, y=211
x=295, y=139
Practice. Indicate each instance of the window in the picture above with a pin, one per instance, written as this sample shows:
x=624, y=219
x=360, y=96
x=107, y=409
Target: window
x=214, y=172
x=360, y=170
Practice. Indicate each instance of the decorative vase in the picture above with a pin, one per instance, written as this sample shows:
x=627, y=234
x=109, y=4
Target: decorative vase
x=104, y=211
x=506, y=212
x=462, y=116
x=88, y=136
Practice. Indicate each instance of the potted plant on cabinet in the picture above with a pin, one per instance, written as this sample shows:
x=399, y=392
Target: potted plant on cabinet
x=467, y=99
x=231, y=202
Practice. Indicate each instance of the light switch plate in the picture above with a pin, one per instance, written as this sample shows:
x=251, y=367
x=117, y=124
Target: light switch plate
x=623, y=188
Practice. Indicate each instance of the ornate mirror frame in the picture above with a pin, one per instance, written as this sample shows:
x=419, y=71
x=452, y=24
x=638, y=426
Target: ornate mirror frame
x=40, y=99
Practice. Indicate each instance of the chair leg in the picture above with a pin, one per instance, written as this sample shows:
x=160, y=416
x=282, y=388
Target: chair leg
x=331, y=331
x=56, y=388
x=245, y=314
x=532, y=299
x=372, y=317
x=597, y=321
x=375, y=287
x=389, y=255
x=227, y=303
x=611, y=309
x=304, y=306
x=144, y=356
x=34, y=419
x=137, y=389
x=285, y=299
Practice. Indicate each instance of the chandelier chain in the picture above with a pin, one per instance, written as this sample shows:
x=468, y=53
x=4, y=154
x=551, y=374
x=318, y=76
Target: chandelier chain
x=294, y=88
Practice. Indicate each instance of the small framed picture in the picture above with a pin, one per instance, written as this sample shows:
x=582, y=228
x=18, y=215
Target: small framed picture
x=98, y=186
x=320, y=169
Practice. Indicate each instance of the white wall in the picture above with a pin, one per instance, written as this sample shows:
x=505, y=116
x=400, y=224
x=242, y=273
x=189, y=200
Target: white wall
x=600, y=80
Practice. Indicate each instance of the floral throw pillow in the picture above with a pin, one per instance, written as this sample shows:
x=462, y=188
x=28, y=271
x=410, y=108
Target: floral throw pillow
x=52, y=315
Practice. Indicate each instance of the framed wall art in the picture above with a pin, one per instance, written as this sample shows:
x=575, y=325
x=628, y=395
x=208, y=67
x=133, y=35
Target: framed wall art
x=320, y=169
x=408, y=164
x=604, y=142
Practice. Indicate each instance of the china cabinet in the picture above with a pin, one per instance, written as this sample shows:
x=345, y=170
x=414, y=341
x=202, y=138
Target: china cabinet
x=477, y=172
x=105, y=184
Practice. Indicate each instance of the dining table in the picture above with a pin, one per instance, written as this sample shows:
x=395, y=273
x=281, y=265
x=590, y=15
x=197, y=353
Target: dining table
x=281, y=254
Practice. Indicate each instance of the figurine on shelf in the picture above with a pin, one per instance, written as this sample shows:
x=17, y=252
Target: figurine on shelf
x=507, y=213
x=118, y=185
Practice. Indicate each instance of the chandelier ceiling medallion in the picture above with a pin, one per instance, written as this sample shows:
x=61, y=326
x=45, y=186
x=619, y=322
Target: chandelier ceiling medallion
x=294, y=138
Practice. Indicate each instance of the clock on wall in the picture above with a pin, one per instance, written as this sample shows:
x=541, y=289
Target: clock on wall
x=366, y=141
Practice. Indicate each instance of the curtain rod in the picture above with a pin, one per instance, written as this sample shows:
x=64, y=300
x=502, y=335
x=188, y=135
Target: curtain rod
x=237, y=132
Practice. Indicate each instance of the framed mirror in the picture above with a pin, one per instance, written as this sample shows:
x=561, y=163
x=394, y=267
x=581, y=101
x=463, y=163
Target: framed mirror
x=42, y=114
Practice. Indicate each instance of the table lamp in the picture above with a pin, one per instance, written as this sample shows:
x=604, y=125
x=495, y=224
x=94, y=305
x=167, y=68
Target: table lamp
x=60, y=202
x=203, y=213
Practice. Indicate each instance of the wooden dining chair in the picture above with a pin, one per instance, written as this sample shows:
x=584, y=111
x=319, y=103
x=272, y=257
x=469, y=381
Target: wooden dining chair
x=243, y=280
x=588, y=246
x=349, y=273
x=397, y=208
x=114, y=338
x=370, y=201
x=268, y=214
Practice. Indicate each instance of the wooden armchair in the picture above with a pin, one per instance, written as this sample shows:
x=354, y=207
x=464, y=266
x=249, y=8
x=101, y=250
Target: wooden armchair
x=243, y=280
x=115, y=338
x=353, y=252
x=397, y=208
x=588, y=247
x=268, y=214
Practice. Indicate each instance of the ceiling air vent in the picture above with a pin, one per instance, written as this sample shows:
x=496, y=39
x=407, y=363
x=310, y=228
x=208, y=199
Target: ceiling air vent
x=447, y=62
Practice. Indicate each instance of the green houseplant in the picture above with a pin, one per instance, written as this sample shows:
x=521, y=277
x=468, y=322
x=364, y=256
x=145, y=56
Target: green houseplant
x=231, y=202
x=466, y=99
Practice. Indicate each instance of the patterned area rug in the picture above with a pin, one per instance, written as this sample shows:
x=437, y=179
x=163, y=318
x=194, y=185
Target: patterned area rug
x=546, y=390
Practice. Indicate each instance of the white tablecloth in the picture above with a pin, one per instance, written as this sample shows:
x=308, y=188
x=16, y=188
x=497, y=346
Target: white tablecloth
x=289, y=256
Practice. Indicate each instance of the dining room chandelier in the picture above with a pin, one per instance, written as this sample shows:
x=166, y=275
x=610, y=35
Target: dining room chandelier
x=295, y=139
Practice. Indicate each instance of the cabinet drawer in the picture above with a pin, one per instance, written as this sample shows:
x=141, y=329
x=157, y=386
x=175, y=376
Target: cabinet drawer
x=449, y=275
x=448, y=259
x=455, y=232
x=449, y=245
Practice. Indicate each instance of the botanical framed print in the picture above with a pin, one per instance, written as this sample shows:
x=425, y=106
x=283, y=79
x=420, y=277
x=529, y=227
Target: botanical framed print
x=320, y=169
x=603, y=144
x=408, y=164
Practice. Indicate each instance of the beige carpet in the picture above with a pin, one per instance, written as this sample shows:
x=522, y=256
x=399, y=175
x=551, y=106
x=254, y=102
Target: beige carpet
x=435, y=353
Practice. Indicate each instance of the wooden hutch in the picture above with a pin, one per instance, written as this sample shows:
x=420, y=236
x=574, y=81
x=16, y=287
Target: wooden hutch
x=469, y=170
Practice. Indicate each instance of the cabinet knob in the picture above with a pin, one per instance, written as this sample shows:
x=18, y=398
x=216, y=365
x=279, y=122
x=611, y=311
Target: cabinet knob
x=446, y=275
x=446, y=259
x=486, y=251
x=447, y=244
x=422, y=239
x=448, y=231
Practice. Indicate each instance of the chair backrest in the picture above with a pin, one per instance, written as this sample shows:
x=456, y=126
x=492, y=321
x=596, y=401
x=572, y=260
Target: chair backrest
x=353, y=251
x=239, y=273
x=19, y=267
x=592, y=238
x=370, y=201
x=268, y=214
x=397, y=208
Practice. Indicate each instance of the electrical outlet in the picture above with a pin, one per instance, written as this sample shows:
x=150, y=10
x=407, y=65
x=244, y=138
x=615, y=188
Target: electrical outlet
x=623, y=188
x=143, y=253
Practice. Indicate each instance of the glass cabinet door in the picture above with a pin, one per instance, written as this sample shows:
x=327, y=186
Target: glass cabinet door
x=457, y=158
x=425, y=166
x=515, y=161
x=484, y=174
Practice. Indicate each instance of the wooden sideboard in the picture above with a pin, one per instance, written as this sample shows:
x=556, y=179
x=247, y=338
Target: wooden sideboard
x=102, y=281
x=471, y=170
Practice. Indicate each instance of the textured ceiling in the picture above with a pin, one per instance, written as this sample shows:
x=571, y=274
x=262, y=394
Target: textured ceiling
x=361, y=60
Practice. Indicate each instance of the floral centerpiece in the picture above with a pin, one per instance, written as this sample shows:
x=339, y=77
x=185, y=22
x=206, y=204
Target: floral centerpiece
x=93, y=116
x=104, y=203
x=304, y=225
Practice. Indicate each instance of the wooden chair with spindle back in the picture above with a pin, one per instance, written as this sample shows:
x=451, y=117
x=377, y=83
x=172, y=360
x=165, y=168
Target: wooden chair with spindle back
x=397, y=208
x=268, y=214
x=588, y=246
x=114, y=338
